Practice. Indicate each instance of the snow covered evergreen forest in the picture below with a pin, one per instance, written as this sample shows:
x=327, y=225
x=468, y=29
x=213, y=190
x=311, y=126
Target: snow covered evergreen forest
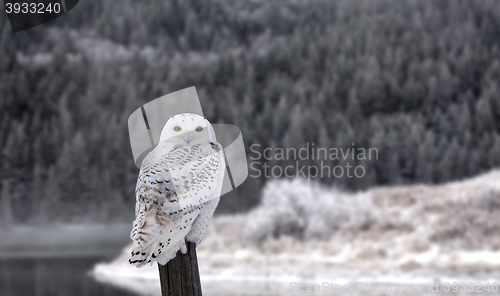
x=418, y=80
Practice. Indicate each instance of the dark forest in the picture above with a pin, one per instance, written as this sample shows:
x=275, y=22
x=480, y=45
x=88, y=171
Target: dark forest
x=418, y=80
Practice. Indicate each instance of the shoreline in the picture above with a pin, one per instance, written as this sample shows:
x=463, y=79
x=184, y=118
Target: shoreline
x=58, y=241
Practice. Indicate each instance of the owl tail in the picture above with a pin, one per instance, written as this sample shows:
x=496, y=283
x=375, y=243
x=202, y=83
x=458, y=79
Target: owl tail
x=139, y=258
x=162, y=252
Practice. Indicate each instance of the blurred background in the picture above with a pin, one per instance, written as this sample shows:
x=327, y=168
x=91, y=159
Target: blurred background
x=418, y=80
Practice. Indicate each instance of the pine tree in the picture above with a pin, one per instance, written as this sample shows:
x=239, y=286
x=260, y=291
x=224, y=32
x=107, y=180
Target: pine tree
x=484, y=120
x=6, y=210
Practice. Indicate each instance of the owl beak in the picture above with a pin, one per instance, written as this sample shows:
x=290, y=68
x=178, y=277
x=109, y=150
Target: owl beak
x=188, y=137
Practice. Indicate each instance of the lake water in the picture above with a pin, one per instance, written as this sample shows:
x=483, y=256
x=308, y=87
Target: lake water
x=53, y=277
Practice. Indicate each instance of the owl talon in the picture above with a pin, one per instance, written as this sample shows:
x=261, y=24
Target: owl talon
x=184, y=249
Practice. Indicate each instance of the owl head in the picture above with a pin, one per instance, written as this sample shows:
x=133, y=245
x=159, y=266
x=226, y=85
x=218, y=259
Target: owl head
x=189, y=128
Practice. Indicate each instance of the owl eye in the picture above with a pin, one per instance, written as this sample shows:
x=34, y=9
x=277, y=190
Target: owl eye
x=177, y=128
x=198, y=129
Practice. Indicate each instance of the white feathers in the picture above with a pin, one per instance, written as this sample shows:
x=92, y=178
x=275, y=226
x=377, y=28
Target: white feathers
x=177, y=190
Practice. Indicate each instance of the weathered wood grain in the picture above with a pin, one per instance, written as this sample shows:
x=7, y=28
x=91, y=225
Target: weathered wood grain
x=180, y=276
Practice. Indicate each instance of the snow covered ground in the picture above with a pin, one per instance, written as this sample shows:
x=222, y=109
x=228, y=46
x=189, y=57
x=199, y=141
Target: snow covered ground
x=307, y=236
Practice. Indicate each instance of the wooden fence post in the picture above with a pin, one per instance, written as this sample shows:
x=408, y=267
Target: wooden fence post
x=180, y=276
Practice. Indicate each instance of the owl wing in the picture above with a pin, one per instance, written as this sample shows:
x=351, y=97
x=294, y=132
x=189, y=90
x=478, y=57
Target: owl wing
x=155, y=196
x=168, y=175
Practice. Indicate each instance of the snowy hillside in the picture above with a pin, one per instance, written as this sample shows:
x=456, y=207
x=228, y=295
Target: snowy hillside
x=306, y=233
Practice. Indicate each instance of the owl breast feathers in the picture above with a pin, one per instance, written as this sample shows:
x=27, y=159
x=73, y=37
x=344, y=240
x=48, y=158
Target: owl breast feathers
x=177, y=191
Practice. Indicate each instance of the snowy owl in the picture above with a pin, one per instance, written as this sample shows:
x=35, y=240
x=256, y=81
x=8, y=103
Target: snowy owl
x=177, y=190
